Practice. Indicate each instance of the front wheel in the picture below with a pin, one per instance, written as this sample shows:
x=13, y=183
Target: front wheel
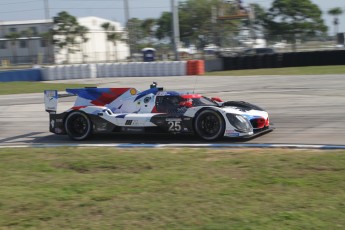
x=209, y=125
x=78, y=126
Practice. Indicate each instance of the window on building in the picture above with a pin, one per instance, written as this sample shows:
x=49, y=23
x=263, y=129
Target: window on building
x=44, y=43
x=3, y=45
x=34, y=31
x=22, y=43
x=13, y=30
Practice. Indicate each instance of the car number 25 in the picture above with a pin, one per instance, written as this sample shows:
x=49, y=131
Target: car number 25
x=175, y=126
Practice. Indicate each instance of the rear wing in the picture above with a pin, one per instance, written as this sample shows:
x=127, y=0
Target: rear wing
x=51, y=99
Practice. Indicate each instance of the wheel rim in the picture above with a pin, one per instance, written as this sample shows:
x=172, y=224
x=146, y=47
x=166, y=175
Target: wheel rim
x=209, y=126
x=78, y=126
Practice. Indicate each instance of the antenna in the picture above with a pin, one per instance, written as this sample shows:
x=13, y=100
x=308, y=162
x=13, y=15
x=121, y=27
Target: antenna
x=196, y=80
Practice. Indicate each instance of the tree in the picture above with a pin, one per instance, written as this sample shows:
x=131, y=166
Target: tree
x=260, y=18
x=164, y=26
x=82, y=31
x=135, y=34
x=112, y=35
x=12, y=37
x=68, y=33
x=196, y=23
x=292, y=18
x=47, y=38
x=335, y=12
x=148, y=27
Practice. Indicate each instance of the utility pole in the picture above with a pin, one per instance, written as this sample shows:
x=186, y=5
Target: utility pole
x=175, y=29
x=126, y=7
x=46, y=9
x=50, y=46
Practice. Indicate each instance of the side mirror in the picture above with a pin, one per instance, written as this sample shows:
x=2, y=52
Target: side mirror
x=216, y=99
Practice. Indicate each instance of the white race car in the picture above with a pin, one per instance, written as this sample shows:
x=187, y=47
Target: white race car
x=127, y=110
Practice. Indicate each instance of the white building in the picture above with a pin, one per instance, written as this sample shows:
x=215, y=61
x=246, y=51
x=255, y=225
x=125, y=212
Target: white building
x=34, y=48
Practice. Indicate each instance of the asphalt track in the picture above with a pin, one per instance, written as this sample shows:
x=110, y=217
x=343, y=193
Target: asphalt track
x=307, y=110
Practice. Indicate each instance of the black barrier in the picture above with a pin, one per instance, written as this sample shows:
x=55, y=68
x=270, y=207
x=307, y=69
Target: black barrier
x=292, y=59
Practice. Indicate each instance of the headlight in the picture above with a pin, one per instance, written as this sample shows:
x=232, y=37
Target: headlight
x=240, y=123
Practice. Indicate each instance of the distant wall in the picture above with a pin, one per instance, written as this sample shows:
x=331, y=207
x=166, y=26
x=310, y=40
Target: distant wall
x=21, y=75
x=278, y=60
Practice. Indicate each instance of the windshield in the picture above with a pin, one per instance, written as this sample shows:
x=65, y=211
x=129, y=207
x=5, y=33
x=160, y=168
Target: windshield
x=203, y=101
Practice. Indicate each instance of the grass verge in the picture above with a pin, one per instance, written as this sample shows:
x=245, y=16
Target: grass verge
x=79, y=188
x=308, y=70
x=34, y=87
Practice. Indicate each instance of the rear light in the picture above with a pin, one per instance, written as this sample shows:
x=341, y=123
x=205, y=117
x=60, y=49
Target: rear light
x=267, y=122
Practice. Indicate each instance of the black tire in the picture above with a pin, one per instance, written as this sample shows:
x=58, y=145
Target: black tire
x=243, y=105
x=209, y=125
x=78, y=126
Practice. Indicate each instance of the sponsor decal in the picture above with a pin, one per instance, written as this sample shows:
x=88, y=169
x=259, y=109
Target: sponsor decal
x=102, y=127
x=162, y=93
x=147, y=100
x=133, y=91
x=231, y=133
x=174, y=119
x=51, y=94
x=129, y=122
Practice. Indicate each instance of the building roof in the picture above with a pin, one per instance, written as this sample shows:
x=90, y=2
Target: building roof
x=26, y=22
x=91, y=21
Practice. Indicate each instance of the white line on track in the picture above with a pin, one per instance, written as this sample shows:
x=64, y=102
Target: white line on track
x=274, y=146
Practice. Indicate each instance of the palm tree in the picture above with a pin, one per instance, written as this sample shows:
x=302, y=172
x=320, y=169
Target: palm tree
x=47, y=37
x=13, y=38
x=68, y=34
x=82, y=32
x=112, y=35
x=148, y=29
x=335, y=12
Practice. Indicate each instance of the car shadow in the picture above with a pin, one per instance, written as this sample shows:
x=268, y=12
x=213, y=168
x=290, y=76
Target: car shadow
x=133, y=139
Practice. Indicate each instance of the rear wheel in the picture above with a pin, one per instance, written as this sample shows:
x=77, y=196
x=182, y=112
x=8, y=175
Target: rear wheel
x=209, y=125
x=78, y=126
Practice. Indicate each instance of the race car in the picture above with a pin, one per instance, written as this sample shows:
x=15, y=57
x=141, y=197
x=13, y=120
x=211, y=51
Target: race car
x=127, y=110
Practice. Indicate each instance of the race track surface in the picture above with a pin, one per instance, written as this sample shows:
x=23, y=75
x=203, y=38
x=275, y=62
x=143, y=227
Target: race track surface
x=304, y=109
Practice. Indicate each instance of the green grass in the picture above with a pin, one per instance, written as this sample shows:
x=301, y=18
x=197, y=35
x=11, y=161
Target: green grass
x=309, y=70
x=68, y=188
x=33, y=87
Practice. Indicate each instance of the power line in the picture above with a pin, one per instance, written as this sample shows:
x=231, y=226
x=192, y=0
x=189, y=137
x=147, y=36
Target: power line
x=16, y=11
x=109, y=8
x=15, y=3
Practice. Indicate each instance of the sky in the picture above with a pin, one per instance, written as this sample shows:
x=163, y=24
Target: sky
x=11, y=10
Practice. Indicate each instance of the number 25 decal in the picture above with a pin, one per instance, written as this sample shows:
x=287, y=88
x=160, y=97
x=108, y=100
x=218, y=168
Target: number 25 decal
x=175, y=126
